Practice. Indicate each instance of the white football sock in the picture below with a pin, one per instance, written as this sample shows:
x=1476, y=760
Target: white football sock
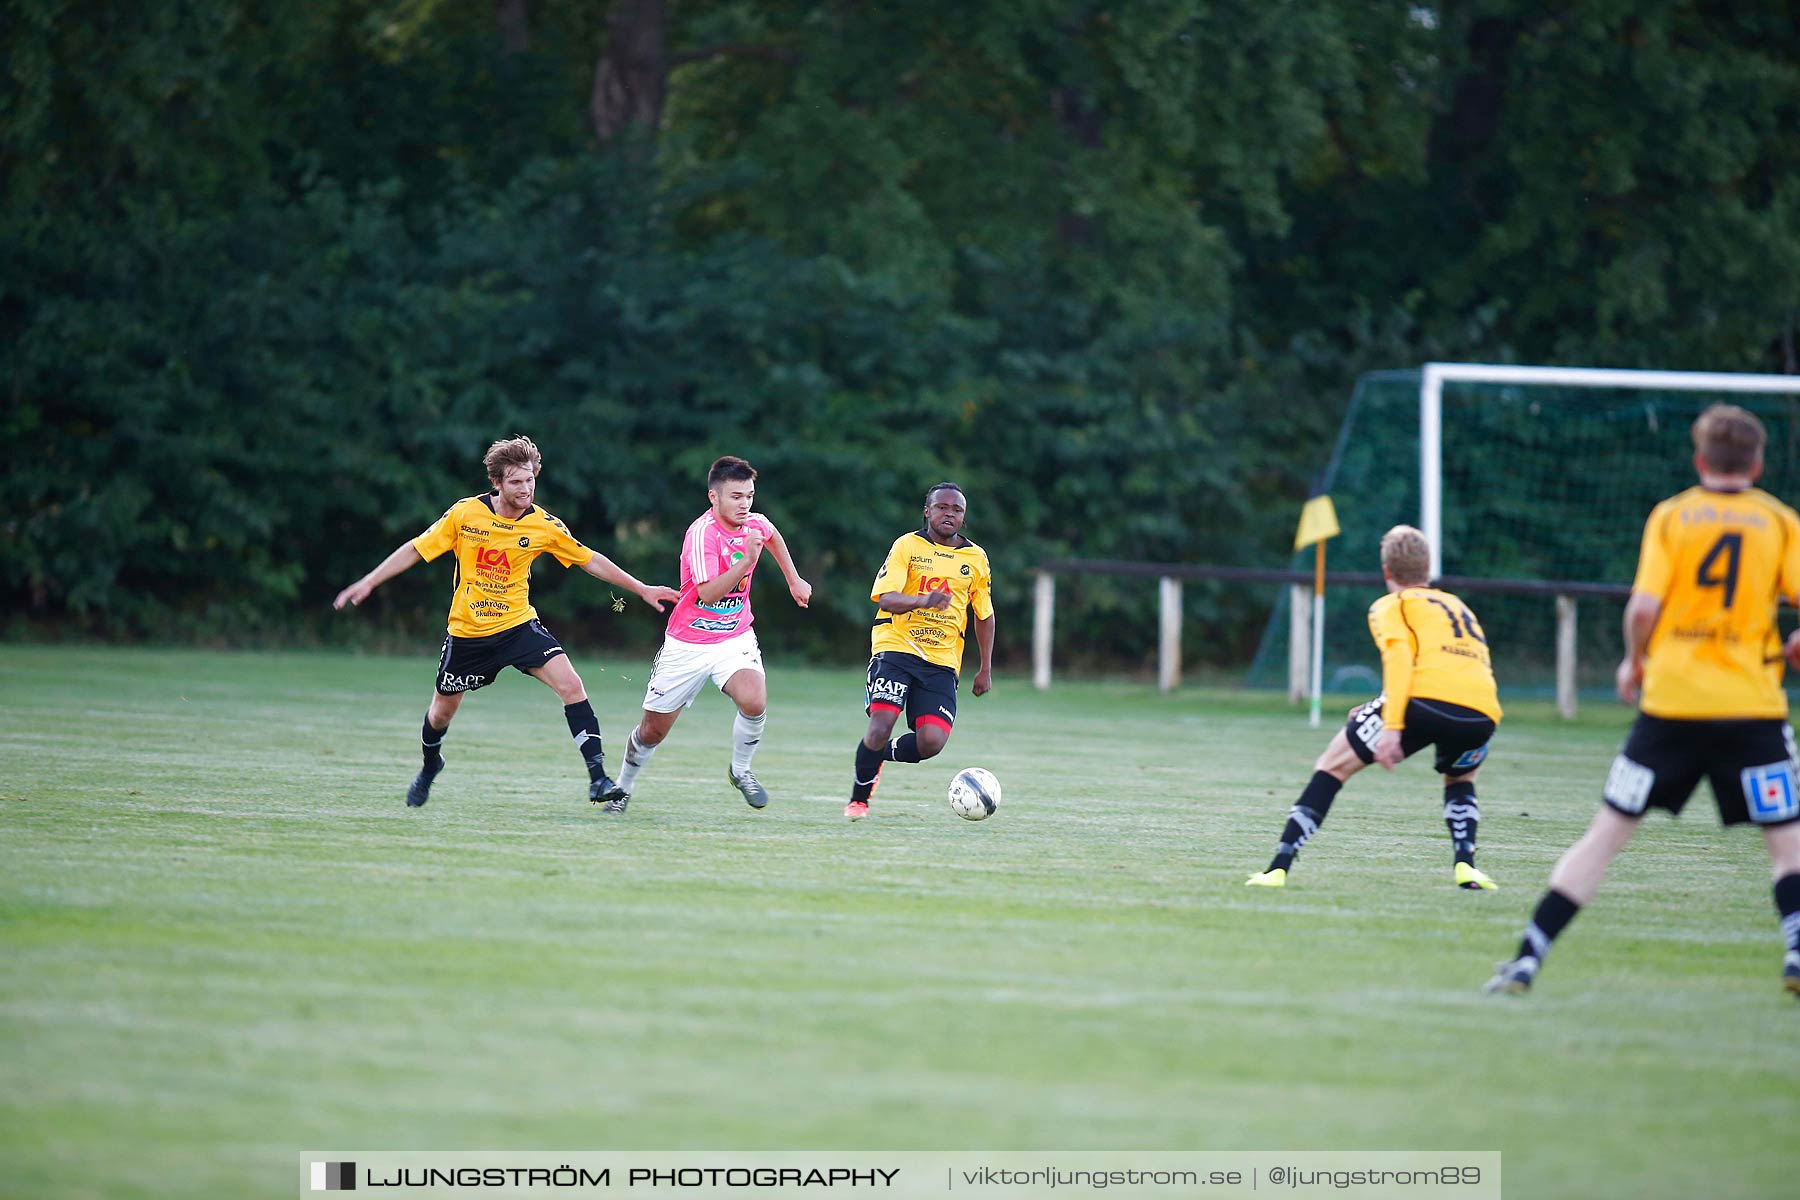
x=746, y=734
x=636, y=755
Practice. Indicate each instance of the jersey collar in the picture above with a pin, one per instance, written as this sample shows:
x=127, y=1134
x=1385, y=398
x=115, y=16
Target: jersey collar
x=924, y=531
x=487, y=498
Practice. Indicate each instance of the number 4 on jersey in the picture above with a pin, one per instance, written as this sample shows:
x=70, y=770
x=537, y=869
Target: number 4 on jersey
x=1730, y=546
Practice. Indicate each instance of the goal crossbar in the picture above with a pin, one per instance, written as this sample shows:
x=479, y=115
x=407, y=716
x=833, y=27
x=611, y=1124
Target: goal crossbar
x=1433, y=377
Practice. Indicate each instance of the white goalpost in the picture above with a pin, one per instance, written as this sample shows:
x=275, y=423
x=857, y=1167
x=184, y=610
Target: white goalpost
x=1434, y=376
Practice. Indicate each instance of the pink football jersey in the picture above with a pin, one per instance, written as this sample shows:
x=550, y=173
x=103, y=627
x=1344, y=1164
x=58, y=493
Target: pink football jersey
x=708, y=551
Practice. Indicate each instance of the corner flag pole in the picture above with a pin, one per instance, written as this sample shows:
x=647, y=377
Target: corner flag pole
x=1318, y=523
x=1318, y=631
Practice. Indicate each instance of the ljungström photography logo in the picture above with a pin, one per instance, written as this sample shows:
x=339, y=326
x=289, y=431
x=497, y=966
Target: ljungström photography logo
x=334, y=1177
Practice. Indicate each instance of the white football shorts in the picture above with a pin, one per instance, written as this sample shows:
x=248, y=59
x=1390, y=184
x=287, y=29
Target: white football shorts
x=682, y=669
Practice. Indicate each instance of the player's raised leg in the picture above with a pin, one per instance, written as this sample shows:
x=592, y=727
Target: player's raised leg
x=1337, y=764
x=438, y=716
x=749, y=690
x=926, y=740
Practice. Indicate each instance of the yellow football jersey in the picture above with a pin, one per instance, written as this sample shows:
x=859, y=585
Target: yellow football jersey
x=916, y=565
x=493, y=562
x=1719, y=562
x=1431, y=647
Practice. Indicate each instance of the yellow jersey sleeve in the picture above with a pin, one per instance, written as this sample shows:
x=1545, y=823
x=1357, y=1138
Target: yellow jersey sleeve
x=441, y=536
x=1789, y=585
x=981, y=592
x=1655, y=565
x=893, y=573
x=562, y=545
x=1398, y=648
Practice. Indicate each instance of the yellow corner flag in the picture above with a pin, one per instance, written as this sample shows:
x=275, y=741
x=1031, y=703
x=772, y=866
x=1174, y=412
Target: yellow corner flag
x=1318, y=521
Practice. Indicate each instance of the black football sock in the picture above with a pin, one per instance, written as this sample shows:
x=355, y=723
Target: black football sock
x=1462, y=815
x=868, y=770
x=1554, y=912
x=1305, y=817
x=432, y=742
x=585, y=727
x=904, y=748
x=1787, y=903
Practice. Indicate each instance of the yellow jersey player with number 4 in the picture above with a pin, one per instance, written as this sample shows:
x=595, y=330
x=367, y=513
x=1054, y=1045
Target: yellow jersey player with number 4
x=1437, y=690
x=1703, y=659
x=932, y=579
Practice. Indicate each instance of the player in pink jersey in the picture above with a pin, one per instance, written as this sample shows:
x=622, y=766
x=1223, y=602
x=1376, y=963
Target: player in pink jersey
x=710, y=635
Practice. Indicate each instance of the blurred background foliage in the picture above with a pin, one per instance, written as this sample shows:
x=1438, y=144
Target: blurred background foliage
x=275, y=274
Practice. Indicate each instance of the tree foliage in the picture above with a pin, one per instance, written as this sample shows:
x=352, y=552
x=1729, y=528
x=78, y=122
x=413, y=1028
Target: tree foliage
x=276, y=274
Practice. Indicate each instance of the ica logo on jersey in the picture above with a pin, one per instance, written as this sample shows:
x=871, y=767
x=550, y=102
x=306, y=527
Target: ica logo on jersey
x=492, y=563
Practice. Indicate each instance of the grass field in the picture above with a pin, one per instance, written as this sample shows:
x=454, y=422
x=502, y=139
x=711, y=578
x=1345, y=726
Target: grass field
x=225, y=939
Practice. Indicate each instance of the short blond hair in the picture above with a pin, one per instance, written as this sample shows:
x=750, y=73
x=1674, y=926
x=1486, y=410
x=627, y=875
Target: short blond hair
x=503, y=456
x=1406, y=555
x=1729, y=439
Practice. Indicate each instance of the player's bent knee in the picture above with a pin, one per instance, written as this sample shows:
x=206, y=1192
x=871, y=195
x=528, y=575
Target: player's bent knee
x=932, y=739
x=654, y=727
x=1339, y=761
x=881, y=727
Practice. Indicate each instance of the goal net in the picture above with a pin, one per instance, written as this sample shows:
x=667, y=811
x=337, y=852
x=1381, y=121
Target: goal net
x=1539, y=474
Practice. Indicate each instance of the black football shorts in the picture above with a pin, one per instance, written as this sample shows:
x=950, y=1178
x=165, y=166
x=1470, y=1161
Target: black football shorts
x=1750, y=764
x=926, y=691
x=1460, y=734
x=470, y=663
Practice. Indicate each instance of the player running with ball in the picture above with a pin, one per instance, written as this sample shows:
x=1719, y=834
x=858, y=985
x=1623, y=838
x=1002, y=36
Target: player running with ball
x=931, y=579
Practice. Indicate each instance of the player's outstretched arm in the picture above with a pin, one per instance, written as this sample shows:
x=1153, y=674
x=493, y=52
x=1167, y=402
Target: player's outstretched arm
x=798, y=588
x=604, y=568
x=405, y=556
x=984, y=642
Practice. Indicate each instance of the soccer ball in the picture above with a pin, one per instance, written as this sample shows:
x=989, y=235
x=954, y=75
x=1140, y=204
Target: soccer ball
x=974, y=794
